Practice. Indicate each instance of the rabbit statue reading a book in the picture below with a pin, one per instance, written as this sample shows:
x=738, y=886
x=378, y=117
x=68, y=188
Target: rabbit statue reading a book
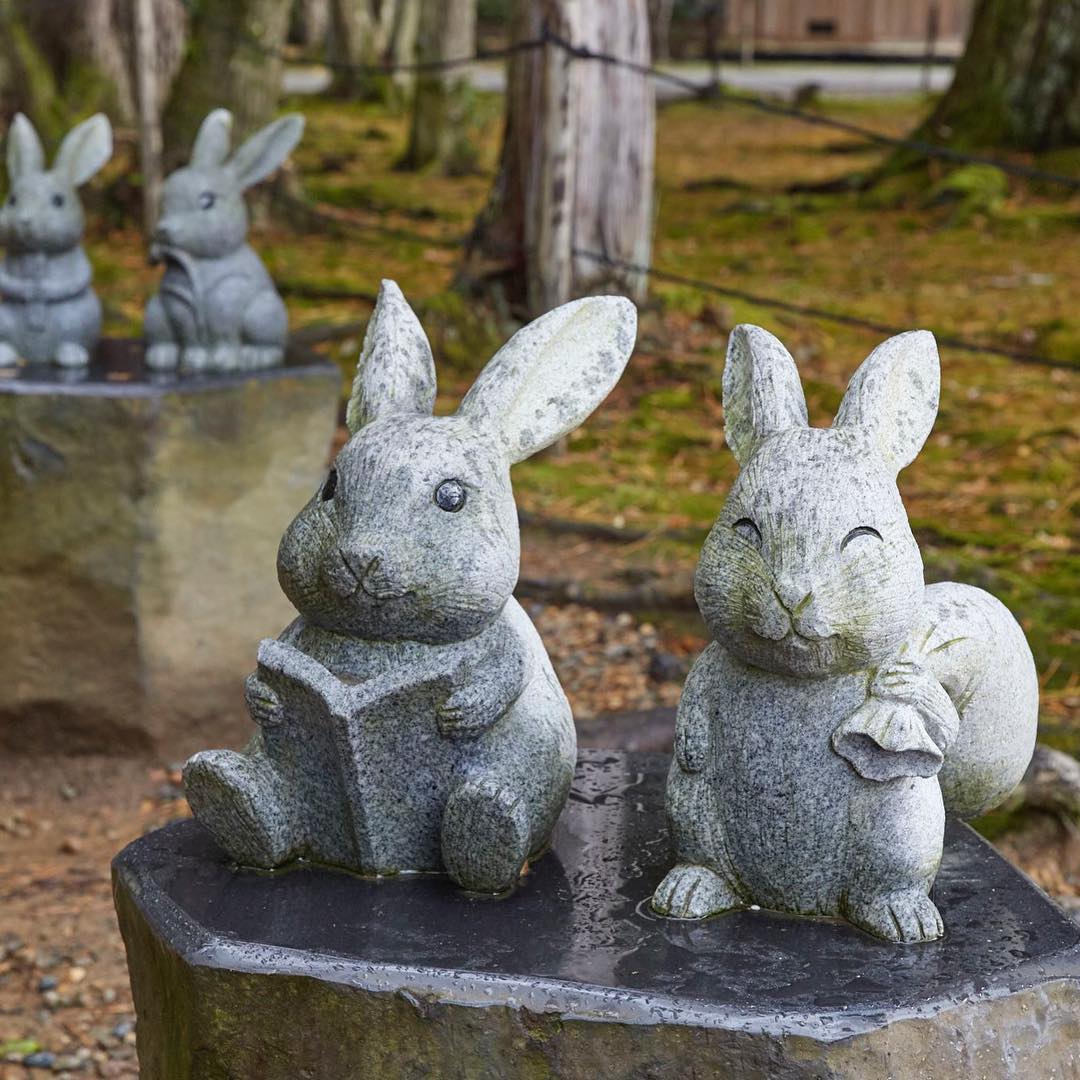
x=842, y=708
x=217, y=308
x=410, y=719
x=49, y=311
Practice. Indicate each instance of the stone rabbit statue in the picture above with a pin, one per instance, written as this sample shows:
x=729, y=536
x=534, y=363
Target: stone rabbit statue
x=409, y=719
x=843, y=707
x=217, y=308
x=49, y=311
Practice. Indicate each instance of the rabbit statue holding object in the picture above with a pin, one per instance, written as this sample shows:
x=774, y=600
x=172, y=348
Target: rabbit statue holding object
x=49, y=311
x=217, y=308
x=410, y=718
x=843, y=707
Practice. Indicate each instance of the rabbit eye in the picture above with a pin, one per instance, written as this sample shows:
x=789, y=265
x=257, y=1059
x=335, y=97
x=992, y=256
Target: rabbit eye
x=450, y=496
x=12, y=200
x=206, y=200
x=329, y=487
x=58, y=200
x=862, y=530
x=748, y=531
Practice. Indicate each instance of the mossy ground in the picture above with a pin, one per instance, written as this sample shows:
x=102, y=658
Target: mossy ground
x=994, y=495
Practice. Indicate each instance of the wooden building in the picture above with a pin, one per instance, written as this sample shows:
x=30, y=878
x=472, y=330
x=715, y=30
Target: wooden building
x=888, y=27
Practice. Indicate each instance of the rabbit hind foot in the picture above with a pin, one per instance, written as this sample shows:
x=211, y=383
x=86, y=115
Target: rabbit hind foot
x=690, y=891
x=485, y=836
x=237, y=799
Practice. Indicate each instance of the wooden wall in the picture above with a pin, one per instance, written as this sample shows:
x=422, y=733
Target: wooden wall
x=846, y=23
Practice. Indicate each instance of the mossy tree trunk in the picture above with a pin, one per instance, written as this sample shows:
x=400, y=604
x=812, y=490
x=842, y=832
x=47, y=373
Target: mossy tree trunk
x=61, y=61
x=442, y=100
x=361, y=32
x=233, y=60
x=1018, y=83
x=576, y=173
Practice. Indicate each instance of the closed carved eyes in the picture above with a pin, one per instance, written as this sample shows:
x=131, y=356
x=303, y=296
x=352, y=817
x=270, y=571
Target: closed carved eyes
x=862, y=530
x=329, y=487
x=450, y=496
x=206, y=200
x=748, y=531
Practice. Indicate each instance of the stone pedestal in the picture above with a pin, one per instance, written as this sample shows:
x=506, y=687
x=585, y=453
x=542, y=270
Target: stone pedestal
x=139, y=520
x=311, y=972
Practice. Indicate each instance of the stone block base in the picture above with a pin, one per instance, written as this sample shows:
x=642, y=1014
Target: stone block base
x=139, y=520
x=311, y=972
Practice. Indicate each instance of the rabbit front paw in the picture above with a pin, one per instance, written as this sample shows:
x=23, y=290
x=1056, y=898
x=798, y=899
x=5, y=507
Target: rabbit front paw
x=263, y=702
x=693, y=892
x=909, y=683
x=466, y=712
x=908, y=917
x=8, y=356
x=164, y=356
x=72, y=355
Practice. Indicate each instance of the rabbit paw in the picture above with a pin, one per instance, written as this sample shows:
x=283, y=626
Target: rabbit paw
x=263, y=703
x=194, y=358
x=464, y=713
x=907, y=917
x=237, y=798
x=8, y=356
x=165, y=356
x=693, y=892
x=72, y=355
x=253, y=357
x=485, y=836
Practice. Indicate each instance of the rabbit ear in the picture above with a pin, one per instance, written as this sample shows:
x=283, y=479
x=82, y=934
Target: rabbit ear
x=211, y=146
x=396, y=373
x=553, y=373
x=762, y=391
x=894, y=396
x=25, y=154
x=85, y=149
x=261, y=154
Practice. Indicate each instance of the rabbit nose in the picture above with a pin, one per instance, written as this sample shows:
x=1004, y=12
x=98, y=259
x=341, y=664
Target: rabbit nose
x=796, y=596
x=360, y=559
x=162, y=233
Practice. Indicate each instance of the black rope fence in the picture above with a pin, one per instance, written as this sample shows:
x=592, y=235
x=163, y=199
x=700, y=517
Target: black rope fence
x=711, y=93
x=717, y=95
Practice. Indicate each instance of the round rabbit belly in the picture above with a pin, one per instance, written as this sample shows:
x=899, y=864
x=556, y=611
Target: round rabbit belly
x=801, y=828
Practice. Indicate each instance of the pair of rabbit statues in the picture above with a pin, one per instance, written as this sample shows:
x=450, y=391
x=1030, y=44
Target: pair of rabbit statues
x=217, y=308
x=409, y=719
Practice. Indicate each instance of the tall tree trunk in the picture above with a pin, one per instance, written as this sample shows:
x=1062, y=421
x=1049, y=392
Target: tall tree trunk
x=403, y=43
x=233, y=60
x=360, y=36
x=313, y=23
x=661, y=11
x=576, y=173
x=60, y=61
x=1018, y=83
x=439, y=133
x=145, y=56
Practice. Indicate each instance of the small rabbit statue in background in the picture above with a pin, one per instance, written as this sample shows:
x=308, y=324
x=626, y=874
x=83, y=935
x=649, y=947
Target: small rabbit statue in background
x=410, y=718
x=842, y=707
x=217, y=308
x=49, y=311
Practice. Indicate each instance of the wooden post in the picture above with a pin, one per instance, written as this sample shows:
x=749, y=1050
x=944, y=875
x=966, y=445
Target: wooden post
x=549, y=229
x=573, y=199
x=146, y=89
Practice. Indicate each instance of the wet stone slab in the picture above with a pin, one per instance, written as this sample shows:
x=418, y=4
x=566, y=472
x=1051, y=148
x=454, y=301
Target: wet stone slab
x=241, y=973
x=139, y=519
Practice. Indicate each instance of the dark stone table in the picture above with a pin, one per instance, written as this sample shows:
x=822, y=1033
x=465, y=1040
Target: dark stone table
x=140, y=514
x=314, y=973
